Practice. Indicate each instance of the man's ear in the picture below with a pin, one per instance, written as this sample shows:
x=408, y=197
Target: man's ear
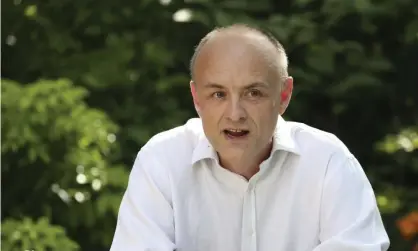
x=286, y=94
x=194, y=95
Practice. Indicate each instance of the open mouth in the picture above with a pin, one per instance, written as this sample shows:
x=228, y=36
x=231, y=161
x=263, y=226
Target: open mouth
x=236, y=133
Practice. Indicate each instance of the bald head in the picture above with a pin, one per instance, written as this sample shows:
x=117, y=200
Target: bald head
x=242, y=37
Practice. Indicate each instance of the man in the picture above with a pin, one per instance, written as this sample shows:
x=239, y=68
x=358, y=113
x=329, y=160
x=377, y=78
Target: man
x=240, y=177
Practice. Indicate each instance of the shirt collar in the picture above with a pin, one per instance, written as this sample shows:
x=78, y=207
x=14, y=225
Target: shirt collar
x=282, y=140
x=203, y=150
x=283, y=137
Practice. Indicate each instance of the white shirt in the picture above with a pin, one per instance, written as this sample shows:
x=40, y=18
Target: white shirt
x=310, y=195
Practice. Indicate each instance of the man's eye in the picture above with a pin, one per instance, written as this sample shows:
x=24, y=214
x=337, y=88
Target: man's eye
x=218, y=95
x=254, y=93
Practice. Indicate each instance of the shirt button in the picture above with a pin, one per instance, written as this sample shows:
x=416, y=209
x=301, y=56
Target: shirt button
x=251, y=232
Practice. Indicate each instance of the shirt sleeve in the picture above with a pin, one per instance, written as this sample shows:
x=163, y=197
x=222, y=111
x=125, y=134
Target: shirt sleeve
x=145, y=220
x=350, y=219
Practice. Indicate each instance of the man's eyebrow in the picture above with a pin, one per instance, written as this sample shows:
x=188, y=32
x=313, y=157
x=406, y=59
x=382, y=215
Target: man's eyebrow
x=213, y=85
x=252, y=85
x=257, y=84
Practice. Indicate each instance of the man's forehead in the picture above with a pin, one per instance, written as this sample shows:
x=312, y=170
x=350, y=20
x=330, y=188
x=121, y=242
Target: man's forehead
x=237, y=52
x=227, y=46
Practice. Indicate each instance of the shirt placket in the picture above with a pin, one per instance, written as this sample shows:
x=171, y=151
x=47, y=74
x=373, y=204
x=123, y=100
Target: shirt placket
x=249, y=220
x=249, y=216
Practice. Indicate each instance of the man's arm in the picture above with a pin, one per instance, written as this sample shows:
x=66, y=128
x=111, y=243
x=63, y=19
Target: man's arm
x=145, y=220
x=350, y=219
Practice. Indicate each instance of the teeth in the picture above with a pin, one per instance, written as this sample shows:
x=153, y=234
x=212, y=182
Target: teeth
x=235, y=130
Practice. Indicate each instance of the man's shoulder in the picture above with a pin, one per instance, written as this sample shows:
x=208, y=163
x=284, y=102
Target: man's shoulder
x=176, y=143
x=310, y=138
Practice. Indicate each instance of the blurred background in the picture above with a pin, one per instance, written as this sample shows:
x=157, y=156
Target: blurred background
x=86, y=83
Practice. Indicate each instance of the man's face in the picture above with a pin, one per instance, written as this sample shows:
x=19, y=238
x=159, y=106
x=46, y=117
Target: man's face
x=237, y=91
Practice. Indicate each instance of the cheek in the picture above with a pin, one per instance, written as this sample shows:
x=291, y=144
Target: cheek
x=263, y=110
x=212, y=109
x=264, y=117
x=210, y=117
x=210, y=112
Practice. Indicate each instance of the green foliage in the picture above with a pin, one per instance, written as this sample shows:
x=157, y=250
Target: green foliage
x=63, y=147
x=402, y=149
x=354, y=65
x=27, y=234
x=400, y=193
x=56, y=108
x=406, y=140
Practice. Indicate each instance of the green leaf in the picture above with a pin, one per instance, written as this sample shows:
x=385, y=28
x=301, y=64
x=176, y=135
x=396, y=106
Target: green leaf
x=411, y=32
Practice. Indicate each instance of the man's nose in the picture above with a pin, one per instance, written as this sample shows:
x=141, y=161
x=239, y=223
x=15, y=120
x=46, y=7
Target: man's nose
x=236, y=111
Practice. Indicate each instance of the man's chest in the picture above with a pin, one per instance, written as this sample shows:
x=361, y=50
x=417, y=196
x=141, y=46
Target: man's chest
x=268, y=215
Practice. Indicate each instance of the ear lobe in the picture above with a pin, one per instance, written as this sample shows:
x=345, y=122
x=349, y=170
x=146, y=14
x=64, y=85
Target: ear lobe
x=286, y=94
x=287, y=90
x=194, y=95
x=193, y=90
x=283, y=96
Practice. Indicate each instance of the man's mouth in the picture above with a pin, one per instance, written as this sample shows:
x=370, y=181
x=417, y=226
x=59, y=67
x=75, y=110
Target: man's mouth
x=236, y=133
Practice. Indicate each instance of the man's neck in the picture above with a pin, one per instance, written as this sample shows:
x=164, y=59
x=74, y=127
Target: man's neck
x=247, y=168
